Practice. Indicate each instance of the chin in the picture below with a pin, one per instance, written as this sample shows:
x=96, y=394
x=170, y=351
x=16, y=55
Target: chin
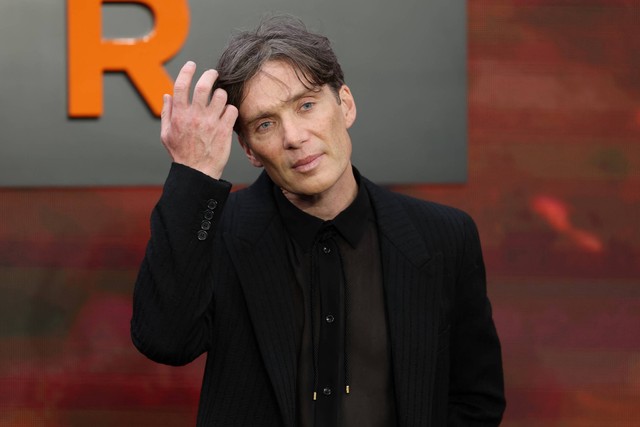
x=309, y=191
x=307, y=187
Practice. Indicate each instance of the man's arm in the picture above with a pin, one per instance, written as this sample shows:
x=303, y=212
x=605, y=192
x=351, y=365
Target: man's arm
x=173, y=294
x=476, y=395
x=174, y=290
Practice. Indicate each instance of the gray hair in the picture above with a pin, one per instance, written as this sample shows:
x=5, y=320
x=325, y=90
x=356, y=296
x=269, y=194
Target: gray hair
x=283, y=38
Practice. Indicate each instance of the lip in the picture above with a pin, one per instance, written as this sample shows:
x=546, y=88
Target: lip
x=307, y=163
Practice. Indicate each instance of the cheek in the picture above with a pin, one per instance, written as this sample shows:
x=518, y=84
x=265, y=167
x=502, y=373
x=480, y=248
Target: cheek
x=271, y=159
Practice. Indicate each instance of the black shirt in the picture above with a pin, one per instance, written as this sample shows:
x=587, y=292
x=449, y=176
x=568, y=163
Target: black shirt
x=338, y=270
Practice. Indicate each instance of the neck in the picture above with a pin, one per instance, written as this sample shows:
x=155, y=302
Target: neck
x=329, y=204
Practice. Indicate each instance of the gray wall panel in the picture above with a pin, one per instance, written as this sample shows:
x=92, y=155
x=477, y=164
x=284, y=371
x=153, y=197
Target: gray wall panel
x=405, y=62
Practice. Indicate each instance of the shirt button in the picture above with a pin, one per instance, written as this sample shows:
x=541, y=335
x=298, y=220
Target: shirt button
x=329, y=318
x=205, y=225
x=327, y=391
x=212, y=204
x=326, y=249
x=208, y=214
x=202, y=235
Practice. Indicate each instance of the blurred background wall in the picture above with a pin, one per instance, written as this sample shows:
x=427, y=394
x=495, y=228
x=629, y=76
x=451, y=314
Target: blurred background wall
x=553, y=183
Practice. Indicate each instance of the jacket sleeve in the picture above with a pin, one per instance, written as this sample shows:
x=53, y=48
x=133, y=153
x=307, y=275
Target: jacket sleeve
x=476, y=394
x=173, y=293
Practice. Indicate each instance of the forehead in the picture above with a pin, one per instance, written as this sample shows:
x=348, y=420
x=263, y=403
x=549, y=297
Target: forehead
x=275, y=83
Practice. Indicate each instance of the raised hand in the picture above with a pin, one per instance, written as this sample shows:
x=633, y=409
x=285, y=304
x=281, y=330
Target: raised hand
x=198, y=134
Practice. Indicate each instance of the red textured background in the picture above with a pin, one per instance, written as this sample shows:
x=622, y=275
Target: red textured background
x=554, y=185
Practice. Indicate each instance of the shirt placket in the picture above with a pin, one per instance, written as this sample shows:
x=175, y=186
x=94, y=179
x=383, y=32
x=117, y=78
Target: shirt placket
x=329, y=274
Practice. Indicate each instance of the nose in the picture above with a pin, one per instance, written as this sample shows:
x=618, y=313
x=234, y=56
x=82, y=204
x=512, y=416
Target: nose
x=294, y=134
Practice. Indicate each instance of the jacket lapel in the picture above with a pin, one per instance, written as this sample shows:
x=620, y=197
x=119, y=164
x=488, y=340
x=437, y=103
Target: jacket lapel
x=258, y=250
x=412, y=280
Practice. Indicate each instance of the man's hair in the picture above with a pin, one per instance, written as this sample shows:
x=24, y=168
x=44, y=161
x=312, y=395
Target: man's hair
x=282, y=38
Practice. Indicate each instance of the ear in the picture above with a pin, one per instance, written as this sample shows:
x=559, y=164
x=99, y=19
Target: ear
x=249, y=152
x=348, y=105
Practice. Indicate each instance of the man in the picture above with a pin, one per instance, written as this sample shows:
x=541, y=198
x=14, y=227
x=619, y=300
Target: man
x=320, y=298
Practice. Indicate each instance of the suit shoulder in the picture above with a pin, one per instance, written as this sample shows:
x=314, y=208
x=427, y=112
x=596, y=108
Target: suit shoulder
x=430, y=206
x=420, y=209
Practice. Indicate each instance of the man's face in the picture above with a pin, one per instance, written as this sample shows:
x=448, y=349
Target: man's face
x=299, y=135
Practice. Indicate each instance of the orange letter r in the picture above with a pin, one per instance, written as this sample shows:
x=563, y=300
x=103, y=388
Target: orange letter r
x=141, y=59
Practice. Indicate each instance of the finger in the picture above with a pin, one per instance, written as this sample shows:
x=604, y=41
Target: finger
x=202, y=91
x=183, y=83
x=218, y=102
x=165, y=117
x=229, y=116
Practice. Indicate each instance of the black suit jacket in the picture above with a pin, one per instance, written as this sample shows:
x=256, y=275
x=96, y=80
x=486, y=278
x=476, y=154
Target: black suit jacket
x=230, y=295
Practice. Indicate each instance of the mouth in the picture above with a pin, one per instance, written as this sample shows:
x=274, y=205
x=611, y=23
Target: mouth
x=308, y=163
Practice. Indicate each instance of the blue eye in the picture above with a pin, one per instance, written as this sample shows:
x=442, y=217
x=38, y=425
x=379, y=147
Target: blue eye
x=264, y=125
x=307, y=105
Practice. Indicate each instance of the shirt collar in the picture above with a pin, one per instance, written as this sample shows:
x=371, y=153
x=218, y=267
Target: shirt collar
x=304, y=228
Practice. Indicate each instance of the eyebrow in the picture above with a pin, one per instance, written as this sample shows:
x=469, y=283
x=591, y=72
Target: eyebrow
x=292, y=99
